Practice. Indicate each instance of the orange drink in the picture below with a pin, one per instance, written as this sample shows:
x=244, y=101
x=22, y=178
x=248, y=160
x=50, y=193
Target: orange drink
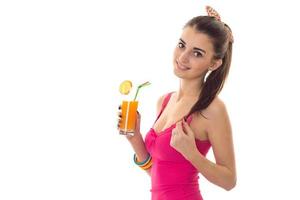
x=129, y=114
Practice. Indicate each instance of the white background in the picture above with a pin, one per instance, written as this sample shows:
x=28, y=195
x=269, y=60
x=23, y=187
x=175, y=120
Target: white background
x=60, y=66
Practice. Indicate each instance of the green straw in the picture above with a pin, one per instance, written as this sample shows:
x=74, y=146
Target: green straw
x=139, y=87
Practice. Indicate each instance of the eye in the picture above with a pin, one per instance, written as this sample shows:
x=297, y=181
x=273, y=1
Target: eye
x=180, y=45
x=197, y=54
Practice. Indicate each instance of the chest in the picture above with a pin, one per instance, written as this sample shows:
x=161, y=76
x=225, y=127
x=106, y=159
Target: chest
x=171, y=115
x=158, y=145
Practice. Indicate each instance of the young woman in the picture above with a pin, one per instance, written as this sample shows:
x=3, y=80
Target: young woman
x=193, y=118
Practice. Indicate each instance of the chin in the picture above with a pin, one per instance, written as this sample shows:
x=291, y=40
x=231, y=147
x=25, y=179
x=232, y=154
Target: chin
x=178, y=74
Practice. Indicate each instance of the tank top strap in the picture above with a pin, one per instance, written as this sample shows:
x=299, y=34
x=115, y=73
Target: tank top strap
x=164, y=104
x=166, y=100
x=188, y=119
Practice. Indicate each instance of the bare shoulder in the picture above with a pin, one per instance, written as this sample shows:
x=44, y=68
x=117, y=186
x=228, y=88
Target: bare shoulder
x=216, y=110
x=210, y=119
x=218, y=123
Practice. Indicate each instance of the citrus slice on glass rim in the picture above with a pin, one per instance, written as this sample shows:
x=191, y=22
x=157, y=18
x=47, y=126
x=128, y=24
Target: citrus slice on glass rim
x=125, y=87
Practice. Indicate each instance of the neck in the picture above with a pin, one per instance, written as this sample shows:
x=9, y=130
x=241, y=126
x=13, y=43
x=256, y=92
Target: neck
x=189, y=89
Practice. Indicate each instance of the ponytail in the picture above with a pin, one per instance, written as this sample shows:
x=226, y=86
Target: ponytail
x=213, y=84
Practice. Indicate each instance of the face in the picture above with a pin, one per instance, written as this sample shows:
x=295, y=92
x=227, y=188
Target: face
x=193, y=54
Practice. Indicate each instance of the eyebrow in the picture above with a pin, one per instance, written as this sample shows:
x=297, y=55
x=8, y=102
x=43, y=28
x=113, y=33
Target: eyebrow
x=196, y=48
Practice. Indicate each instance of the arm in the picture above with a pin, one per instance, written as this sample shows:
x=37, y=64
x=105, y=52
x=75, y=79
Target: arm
x=137, y=141
x=139, y=148
x=223, y=172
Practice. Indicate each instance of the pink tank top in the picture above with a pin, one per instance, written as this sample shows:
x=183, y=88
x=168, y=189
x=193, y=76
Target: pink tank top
x=172, y=176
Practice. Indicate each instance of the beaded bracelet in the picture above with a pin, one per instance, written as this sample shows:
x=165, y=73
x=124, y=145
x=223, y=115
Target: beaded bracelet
x=146, y=164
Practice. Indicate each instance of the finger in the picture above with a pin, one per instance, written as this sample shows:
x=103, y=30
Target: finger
x=176, y=127
x=187, y=128
x=177, y=124
x=174, y=131
x=183, y=126
x=138, y=117
x=119, y=123
x=184, y=119
x=180, y=128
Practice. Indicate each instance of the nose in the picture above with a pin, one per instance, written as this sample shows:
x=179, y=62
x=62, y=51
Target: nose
x=183, y=57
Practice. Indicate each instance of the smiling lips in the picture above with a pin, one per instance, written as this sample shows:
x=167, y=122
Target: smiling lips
x=181, y=67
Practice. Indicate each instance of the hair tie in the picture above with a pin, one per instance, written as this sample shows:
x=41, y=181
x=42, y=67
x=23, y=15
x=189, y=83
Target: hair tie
x=213, y=13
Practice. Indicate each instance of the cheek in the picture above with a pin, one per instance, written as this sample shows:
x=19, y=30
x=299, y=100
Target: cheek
x=199, y=67
x=200, y=63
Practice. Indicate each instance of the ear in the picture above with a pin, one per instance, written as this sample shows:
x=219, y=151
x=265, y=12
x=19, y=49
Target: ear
x=216, y=64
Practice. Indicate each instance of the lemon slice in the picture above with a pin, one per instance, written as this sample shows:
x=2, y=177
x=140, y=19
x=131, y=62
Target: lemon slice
x=125, y=87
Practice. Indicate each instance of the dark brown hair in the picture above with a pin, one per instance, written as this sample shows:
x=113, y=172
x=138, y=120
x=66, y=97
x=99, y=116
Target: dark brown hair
x=221, y=37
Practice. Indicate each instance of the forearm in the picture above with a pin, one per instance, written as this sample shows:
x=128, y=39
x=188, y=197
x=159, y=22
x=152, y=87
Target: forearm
x=215, y=173
x=139, y=148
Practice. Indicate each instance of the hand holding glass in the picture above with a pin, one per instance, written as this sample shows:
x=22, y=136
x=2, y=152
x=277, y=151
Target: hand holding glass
x=129, y=113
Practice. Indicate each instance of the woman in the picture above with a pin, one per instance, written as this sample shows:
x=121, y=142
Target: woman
x=192, y=119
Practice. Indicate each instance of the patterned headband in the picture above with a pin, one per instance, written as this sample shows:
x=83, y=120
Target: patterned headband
x=213, y=13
